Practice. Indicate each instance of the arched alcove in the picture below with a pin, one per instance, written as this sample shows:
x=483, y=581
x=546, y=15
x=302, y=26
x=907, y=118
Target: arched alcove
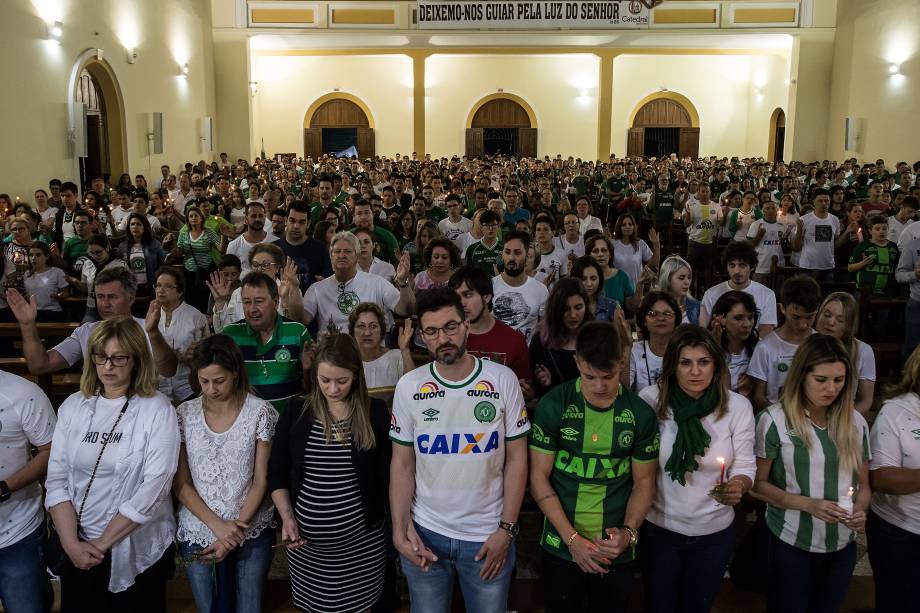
x=777, y=137
x=664, y=123
x=501, y=123
x=336, y=122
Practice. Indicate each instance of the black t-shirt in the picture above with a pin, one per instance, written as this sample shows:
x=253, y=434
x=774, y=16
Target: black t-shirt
x=311, y=257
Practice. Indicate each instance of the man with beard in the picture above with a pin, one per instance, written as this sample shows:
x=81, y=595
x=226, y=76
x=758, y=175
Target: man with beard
x=740, y=260
x=489, y=338
x=459, y=466
x=310, y=255
x=517, y=298
x=255, y=233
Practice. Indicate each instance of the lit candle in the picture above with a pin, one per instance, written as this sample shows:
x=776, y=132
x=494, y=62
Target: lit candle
x=846, y=502
x=722, y=473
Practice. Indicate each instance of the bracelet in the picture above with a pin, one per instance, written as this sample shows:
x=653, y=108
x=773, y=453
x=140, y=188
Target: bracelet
x=571, y=539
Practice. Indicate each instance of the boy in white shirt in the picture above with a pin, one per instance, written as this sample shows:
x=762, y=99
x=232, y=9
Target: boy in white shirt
x=799, y=302
x=766, y=234
x=817, y=236
x=454, y=226
x=739, y=259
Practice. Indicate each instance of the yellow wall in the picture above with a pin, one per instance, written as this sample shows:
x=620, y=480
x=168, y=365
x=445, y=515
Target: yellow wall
x=733, y=119
x=872, y=34
x=551, y=84
x=809, y=97
x=289, y=84
x=234, y=124
x=36, y=74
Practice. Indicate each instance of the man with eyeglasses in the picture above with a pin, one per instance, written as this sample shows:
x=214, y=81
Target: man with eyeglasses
x=255, y=233
x=329, y=302
x=75, y=247
x=459, y=466
x=115, y=290
x=486, y=254
x=99, y=258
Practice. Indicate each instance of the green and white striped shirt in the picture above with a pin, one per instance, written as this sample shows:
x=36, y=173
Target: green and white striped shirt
x=812, y=471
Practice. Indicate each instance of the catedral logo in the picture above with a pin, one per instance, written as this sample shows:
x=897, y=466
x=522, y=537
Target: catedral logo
x=456, y=443
x=428, y=390
x=483, y=389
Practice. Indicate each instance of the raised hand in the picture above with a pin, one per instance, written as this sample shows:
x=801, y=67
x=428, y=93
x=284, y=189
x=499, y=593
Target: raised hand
x=653, y=236
x=25, y=311
x=403, y=269
x=152, y=320
x=405, y=335
x=220, y=288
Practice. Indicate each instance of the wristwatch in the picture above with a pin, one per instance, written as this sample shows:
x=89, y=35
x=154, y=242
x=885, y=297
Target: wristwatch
x=5, y=492
x=512, y=528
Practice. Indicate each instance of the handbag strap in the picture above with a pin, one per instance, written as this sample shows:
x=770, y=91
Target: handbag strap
x=92, y=477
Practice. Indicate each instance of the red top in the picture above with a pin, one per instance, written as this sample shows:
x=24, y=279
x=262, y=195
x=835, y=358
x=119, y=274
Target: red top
x=504, y=345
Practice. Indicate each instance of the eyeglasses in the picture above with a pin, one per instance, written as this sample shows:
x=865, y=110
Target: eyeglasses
x=657, y=314
x=116, y=360
x=450, y=328
x=264, y=265
x=372, y=327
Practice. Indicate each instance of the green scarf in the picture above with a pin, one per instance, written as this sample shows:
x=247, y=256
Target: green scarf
x=692, y=439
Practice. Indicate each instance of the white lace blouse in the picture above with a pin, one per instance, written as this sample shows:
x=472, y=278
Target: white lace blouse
x=222, y=465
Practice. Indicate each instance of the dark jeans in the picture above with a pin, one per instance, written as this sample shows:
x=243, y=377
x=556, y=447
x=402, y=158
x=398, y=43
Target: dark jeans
x=87, y=591
x=683, y=573
x=801, y=581
x=895, y=566
x=568, y=589
x=24, y=584
x=911, y=328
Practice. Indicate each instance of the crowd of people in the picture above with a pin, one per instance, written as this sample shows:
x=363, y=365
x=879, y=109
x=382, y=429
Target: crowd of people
x=375, y=363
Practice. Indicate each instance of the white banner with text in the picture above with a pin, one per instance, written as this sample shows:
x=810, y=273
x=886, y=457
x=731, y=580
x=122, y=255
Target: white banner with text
x=534, y=15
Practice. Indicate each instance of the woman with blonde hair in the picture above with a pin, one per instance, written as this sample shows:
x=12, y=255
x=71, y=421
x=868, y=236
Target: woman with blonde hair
x=328, y=477
x=113, y=456
x=706, y=463
x=838, y=316
x=893, y=526
x=675, y=277
x=812, y=453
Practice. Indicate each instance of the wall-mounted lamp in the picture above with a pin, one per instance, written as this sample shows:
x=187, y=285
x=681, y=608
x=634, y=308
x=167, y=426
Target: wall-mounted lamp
x=894, y=70
x=664, y=89
x=55, y=31
x=183, y=72
x=500, y=90
x=132, y=55
x=758, y=91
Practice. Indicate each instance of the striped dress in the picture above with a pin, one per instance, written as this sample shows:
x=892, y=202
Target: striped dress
x=341, y=567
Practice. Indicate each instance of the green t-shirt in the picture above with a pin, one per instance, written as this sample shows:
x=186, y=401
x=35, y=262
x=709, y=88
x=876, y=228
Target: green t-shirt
x=274, y=369
x=878, y=277
x=592, y=473
x=74, y=250
x=214, y=223
x=663, y=208
x=483, y=258
x=619, y=287
x=616, y=185
x=436, y=214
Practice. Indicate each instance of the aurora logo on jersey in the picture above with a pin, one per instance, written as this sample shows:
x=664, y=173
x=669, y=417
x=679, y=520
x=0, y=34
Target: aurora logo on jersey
x=483, y=389
x=456, y=443
x=427, y=390
x=592, y=467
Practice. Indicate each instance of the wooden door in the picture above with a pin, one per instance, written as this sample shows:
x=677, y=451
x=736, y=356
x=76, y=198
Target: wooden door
x=313, y=142
x=689, y=143
x=527, y=142
x=635, y=142
x=366, y=143
x=475, y=145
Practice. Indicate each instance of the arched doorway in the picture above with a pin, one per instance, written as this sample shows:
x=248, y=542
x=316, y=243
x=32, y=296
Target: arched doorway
x=663, y=124
x=777, y=138
x=97, y=111
x=501, y=124
x=338, y=124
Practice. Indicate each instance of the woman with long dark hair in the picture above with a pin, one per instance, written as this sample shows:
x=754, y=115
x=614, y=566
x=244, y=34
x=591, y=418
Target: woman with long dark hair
x=224, y=516
x=195, y=246
x=591, y=275
x=812, y=452
x=142, y=252
x=706, y=463
x=552, y=348
x=617, y=284
x=734, y=326
x=328, y=477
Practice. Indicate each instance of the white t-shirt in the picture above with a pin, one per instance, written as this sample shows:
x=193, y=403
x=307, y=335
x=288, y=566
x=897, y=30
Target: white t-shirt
x=895, y=228
x=187, y=325
x=240, y=247
x=382, y=269
x=459, y=430
x=644, y=366
x=26, y=419
x=519, y=307
x=865, y=362
x=577, y=248
x=88, y=276
x=704, y=221
x=689, y=509
x=151, y=219
x=818, y=249
x=331, y=302
x=454, y=231
x=74, y=347
x=137, y=263
x=48, y=214
x=630, y=259
x=737, y=365
x=238, y=218
x=222, y=465
x=909, y=233
x=67, y=229
x=385, y=371
x=119, y=215
x=45, y=286
x=770, y=363
x=96, y=516
x=771, y=244
x=555, y=261
x=590, y=222
x=895, y=444
x=764, y=298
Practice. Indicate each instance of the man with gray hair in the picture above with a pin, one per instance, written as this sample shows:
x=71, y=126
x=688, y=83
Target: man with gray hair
x=332, y=300
x=115, y=290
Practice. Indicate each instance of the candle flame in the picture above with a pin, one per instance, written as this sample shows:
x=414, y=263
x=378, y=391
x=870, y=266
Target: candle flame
x=850, y=491
x=722, y=461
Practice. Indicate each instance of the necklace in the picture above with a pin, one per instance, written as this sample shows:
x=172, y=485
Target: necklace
x=341, y=430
